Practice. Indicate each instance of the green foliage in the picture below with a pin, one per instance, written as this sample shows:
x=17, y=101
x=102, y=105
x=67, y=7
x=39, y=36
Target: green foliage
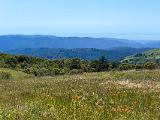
x=150, y=65
x=44, y=67
x=13, y=74
x=75, y=72
x=41, y=72
x=147, y=65
x=126, y=66
x=141, y=58
x=99, y=65
x=114, y=54
x=139, y=66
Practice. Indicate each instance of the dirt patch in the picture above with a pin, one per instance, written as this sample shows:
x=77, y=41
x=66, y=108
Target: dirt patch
x=146, y=85
x=150, y=85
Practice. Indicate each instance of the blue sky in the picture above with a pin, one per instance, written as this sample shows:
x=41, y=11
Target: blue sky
x=132, y=19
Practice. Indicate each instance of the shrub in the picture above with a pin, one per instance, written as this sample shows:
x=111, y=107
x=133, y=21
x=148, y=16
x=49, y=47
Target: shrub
x=41, y=72
x=126, y=66
x=64, y=70
x=138, y=67
x=55, y=71
x=75, y=71
x=150, y=65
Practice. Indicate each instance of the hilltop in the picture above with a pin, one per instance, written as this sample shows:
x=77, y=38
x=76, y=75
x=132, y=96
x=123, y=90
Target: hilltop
x=147, y=56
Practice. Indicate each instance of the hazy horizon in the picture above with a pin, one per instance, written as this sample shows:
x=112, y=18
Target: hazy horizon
x=134, y=36
x=125, y=19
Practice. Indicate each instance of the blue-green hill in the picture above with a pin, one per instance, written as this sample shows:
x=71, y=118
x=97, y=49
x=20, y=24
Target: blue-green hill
x=147, y=56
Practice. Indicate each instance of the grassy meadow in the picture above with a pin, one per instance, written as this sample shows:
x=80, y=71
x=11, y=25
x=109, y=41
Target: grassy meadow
x=131, y=95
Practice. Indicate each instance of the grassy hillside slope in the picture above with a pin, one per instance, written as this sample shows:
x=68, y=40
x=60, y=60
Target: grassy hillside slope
x=147, y=56
x=106, y=95
x=5, y=72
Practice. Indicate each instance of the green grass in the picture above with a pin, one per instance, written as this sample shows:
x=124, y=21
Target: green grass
x=90, y=96
x=15, y=74
x=150, y=55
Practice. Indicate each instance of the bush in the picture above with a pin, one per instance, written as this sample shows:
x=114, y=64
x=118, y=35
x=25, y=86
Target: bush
x=55, y=71
x=138, y=67
x=5, y=76
x=150, y=65
x=126, y=66
x=64, y=70
x=41, y=72
x=75, y=71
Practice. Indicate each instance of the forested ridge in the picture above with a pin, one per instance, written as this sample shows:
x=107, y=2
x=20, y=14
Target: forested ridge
x=114, y=54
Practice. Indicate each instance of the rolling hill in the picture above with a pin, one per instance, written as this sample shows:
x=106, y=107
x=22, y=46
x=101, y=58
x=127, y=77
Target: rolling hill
x=115, y=54
x=13, y=74
x=10, y=42
x=147, y=56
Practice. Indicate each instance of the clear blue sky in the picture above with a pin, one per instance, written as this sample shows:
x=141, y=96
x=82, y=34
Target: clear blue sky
x=97, y=18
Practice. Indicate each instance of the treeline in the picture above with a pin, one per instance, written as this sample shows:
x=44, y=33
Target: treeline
x=45, y=67
x=146, y=65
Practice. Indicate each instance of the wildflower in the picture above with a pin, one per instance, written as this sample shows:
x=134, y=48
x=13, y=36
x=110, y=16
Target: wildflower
x=75, y=98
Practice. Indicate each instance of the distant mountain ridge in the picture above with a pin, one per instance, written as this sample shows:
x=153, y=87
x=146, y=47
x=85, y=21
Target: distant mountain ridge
x=10, y=42
x=114, y=54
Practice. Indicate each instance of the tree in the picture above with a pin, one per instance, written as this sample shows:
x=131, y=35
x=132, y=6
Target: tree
x=104, y=66
x=99, y=65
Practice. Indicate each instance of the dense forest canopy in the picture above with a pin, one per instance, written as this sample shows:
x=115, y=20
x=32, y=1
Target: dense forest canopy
x=114, y=54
